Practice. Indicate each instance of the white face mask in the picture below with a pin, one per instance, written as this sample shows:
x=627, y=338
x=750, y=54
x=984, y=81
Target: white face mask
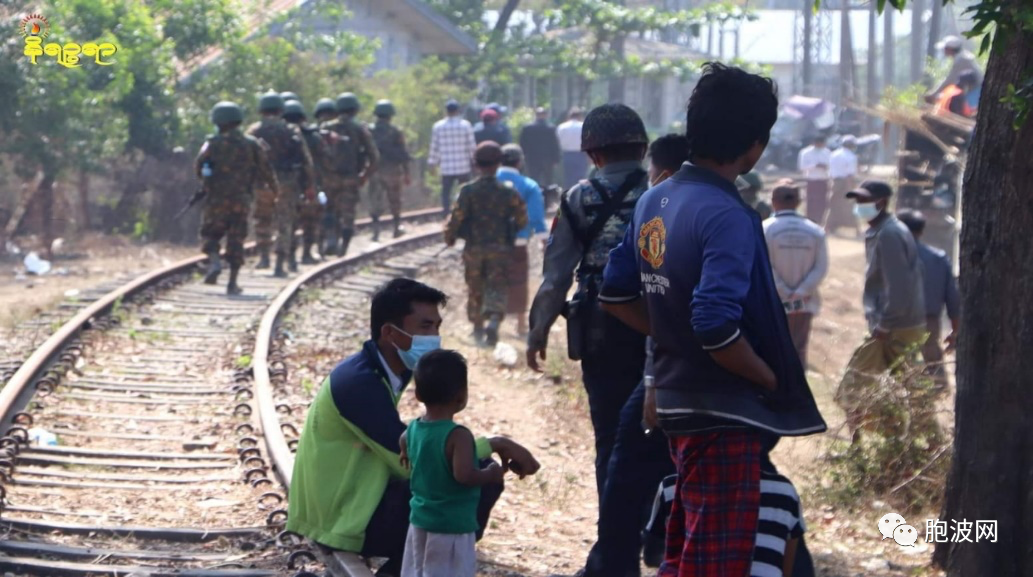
x=867, y=211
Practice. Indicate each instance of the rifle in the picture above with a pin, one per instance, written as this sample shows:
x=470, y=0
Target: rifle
x=194, y=199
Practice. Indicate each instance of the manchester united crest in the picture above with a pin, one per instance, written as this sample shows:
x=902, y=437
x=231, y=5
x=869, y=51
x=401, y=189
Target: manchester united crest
x=652, y=242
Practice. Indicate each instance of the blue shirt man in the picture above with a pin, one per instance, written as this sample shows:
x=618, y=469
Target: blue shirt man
x=528, y=189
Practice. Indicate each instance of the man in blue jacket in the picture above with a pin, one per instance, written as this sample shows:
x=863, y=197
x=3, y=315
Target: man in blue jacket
x=531, y=192
x=693, y=272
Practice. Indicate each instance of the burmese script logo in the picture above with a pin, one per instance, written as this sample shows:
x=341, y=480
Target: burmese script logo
x=652, y=242
x=35, y=28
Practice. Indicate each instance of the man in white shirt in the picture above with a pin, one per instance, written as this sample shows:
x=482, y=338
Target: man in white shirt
x=575, y=162
x=451, y=148
x=799, y=261
x=843, y=170
x=814, y=164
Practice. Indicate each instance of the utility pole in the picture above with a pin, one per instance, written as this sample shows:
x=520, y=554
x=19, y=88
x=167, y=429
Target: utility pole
x=808, y=46
x=889, y=49
x=935, y=28
x=872, y=80
x=847, y=76
x=917, y=40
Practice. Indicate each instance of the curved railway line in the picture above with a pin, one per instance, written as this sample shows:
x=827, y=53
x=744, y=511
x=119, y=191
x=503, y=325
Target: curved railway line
x=167, y=397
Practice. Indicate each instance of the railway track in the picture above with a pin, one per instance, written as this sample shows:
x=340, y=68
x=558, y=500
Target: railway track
x=172, y=458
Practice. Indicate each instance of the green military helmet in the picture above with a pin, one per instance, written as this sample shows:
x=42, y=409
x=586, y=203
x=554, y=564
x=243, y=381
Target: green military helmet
x=226, y=112
x=384, y=108
x=325, y=105
x=612, y=124
x=293, y=108
x=289, y=96
x=348, y=102
x=749, y=181
x=270, y=102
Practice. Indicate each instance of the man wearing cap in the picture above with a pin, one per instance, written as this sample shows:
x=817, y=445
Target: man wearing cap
x=575, y=163
x=541, y=147
x=941, y=292
x=487, y=215
x=531, y=193
x=843, y=170
x=955, y=98
x=814, y=164
x=591, y=221
x=894, y=299
x=451, y=150
x=799, y=260
x=962, y=61
x=491, y=129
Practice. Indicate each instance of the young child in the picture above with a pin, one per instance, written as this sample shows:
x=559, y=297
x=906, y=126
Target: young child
x=445, y=478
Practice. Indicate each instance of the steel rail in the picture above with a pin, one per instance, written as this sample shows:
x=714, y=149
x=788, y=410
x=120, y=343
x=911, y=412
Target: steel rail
x=41, y=358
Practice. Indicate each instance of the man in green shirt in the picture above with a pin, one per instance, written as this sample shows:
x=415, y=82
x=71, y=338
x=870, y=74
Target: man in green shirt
x=349, y=490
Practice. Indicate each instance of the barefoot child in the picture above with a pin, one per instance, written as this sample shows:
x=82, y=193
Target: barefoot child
x=446, y=479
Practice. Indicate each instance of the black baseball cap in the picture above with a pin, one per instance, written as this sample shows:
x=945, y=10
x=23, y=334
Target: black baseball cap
x=870, y=191
x=452, y=105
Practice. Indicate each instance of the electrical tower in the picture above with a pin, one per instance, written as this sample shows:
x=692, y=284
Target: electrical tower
x=812, y=50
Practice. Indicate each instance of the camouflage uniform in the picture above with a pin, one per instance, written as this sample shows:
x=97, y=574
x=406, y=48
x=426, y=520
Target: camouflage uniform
x=311, y=212
x=293, y=165
x=488, y=215
x=390, y=176
x=352, y=156
x=237, y=162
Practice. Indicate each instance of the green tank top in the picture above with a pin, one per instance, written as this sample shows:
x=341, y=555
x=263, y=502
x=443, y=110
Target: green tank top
x=439, y=504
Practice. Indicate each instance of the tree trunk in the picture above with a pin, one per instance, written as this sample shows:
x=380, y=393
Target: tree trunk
x=617, y=83
x=46, y=212
x=84, y=198
x=935, y=28
x=847, y=77
x=992, y=471
x=808, y=47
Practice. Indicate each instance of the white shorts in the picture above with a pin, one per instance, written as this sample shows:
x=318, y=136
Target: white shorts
x=439, y=554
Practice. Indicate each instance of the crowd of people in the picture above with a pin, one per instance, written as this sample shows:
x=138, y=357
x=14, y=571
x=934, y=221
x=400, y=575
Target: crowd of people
x=690, y=319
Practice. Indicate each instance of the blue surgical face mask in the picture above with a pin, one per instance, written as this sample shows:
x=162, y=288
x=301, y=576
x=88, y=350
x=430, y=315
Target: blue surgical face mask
x=421, y=345
x=867, y=211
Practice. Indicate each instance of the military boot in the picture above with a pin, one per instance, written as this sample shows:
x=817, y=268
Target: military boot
x=233, y=288
x=214, y=268
x=263, y=258
x=399, y=229
x=279, y=272
x=292, y=260
x=376, y=228
x=491, y=332
x=346, y=237
x=478, y=333
x=306, y=255
x=330, y=248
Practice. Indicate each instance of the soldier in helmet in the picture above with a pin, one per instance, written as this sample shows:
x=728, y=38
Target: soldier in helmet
x=592, y=218
x=325, y=111
x=310, y=213
x=292, y=162
x=750, y=185
x=393, y=172
x=229, y=164
x=353, y=158
x=488, y=215
x=288, y=96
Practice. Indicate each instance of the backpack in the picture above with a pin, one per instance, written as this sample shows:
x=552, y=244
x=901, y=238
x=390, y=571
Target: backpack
x=346, y=151
x=285, y=146
x=390, y=144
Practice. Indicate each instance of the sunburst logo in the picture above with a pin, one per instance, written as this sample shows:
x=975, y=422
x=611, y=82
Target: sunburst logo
x=35, y=25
